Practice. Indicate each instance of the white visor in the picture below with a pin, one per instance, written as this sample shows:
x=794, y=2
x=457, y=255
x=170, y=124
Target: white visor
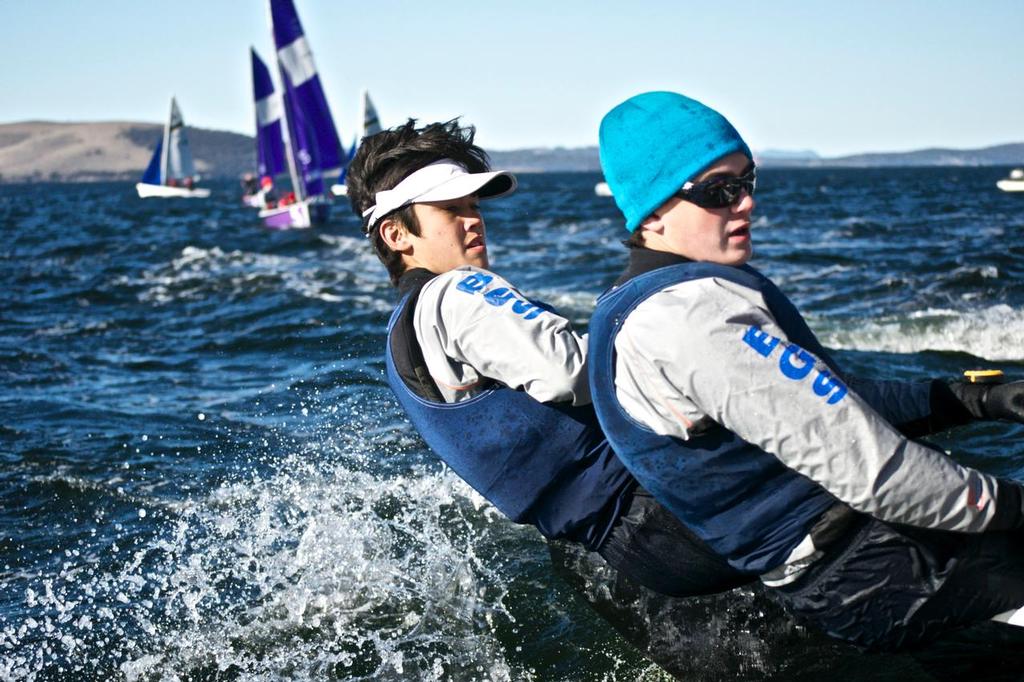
x=440, y=181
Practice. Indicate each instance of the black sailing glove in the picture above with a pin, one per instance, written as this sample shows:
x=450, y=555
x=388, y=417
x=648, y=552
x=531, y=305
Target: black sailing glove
x=992, y=401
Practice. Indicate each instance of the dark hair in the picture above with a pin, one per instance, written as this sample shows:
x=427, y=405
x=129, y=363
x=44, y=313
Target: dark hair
x=636, y=239
x=385, y=159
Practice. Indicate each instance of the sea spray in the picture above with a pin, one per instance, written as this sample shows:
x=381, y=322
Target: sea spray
x=994, y=332
x=318, y=570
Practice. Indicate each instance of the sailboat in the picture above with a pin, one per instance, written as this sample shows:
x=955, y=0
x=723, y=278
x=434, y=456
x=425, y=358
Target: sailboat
x=171, y=172
x=371, y=126
x=1014, y=183
x=270, y=151
x=312, y=148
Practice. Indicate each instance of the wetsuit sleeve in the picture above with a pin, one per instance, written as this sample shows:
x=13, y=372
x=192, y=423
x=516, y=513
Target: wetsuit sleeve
x=915, y=408
x=946, y=412
x=473, y=325
x=904, y=404
x=726, y=357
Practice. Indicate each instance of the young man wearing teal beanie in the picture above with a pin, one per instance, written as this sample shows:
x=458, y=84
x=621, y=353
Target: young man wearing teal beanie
x=718, y=397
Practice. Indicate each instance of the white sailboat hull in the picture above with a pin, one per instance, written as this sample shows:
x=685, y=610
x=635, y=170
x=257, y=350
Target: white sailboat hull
x=1011, y=185
x=601, y=189
x=300, y=215
x=147, y=191
x=257, y=200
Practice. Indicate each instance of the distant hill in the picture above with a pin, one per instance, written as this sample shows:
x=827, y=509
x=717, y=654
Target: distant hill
x=999, y=155
x=780, y=155
x=550, y=159
x=586, y=158
x=116, y=150
x=34, y=151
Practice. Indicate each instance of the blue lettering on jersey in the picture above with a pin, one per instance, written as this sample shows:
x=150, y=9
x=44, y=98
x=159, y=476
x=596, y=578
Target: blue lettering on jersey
x=526, y=309
x=763, y=342
x=795, y=363
x=794, y=371
x=499, y=296
x=476, y=282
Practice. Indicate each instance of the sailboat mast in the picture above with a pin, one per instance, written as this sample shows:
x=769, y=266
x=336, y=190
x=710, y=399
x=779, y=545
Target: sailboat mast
x=166, y=149
x=286, y=129
x=289, y=151
x=362, y=119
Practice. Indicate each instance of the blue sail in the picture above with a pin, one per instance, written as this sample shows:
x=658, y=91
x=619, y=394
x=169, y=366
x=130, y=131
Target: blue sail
x=270, y=159
x=351, y=153
x=305, y=93
x=152, y=174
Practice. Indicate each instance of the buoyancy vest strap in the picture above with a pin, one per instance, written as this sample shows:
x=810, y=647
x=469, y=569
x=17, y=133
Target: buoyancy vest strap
x=405, y=349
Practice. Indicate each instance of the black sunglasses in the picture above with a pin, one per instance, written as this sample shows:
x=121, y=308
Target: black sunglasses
x=721, y=191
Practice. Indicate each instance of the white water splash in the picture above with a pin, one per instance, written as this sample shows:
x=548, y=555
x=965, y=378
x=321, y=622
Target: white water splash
x=198, y=273
x=317, y=571
x=993, y=333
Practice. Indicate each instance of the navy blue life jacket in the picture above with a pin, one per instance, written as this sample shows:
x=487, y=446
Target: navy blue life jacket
x=744, y=502
x=544, y=464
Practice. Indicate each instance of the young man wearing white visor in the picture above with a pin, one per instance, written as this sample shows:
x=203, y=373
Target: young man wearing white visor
x=494, y=382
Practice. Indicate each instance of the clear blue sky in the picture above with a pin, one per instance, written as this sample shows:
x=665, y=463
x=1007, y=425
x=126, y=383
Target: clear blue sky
x=835, y=77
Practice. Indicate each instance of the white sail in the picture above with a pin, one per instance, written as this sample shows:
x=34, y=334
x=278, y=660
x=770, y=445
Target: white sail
x=371, y=126
x=371, y=122
x=171, y=170
x=179, y=155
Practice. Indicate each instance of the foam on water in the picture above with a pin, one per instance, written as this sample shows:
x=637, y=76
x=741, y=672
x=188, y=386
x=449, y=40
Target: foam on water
x=993, y=333
x=345, y=558
x=316, y=570
x=198, y=273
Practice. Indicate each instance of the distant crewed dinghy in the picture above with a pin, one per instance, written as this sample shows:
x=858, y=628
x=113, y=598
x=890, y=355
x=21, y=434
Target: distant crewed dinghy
x=270, y=151
x=371, y=126
x=171, y=172
x=312, y=148
x=1014, y=183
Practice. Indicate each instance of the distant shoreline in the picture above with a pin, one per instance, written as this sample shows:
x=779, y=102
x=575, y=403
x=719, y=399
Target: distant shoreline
x=113, y=151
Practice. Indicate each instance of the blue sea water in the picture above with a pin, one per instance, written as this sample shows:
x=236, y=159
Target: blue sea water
x=205, y=477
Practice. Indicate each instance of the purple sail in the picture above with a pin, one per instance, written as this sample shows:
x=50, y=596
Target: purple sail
x=270, y=157
x=305, y=151
x=305, y=93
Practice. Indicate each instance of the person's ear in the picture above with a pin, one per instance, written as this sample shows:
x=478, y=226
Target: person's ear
x=395, y=235
x=652, y=223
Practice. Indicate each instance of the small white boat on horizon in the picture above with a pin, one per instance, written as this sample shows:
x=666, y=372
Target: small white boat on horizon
x=1014, y=183
x=371, y=126
x=602, y=189
x=171, y=172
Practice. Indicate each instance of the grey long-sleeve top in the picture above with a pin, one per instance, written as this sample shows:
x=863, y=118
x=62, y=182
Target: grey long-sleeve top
x=682, y=355
x=472, y=325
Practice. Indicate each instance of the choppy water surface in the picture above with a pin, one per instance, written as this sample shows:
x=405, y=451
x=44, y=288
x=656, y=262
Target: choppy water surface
x=205, y=477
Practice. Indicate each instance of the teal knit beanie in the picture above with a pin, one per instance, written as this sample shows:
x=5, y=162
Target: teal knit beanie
x=653, y=143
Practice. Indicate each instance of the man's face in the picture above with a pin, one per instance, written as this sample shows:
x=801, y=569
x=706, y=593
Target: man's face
x=451, y=234
x=713, y=235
